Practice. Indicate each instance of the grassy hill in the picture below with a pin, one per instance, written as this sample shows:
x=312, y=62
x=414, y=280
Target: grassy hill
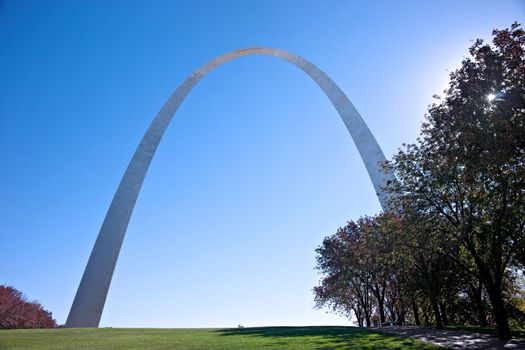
x=319, y=338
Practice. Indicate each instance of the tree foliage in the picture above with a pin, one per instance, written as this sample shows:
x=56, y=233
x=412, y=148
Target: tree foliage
x=456, y=234
x=361, y=268
x=17, y=312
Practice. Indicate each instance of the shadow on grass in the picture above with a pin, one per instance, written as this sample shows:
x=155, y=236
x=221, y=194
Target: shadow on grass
x=314, y=331
x=329, y=337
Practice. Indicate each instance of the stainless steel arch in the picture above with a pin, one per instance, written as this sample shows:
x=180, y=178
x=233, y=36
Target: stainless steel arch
x=93, y=289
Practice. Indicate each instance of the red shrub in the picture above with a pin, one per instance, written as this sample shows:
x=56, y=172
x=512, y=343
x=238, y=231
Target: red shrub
x=17, y=312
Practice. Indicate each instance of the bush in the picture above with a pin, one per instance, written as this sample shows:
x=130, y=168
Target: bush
x=17, y=312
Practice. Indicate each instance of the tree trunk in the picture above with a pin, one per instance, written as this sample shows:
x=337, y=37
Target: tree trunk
x=359, y=320
x=380, y=297
x=498, y=308
x=368, y=322
x=382, y=313
x=477, y=294
x=444, y=317
x=358, y=316
x=435, y=307
x=432, y=293
x=391, y=314
x=415, y=310
x=493, y=286
x=367, y=307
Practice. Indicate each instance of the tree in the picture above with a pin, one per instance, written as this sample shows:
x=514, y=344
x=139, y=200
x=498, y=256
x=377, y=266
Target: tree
x=17, y=312
x=467, y=170
x=360, y=271
x=346, y=286
x=391, y=269
x=422, y=248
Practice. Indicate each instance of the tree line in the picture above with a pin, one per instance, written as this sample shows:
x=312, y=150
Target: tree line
x=451, y=248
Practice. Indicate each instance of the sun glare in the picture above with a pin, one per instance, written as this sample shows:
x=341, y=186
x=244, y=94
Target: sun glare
x=491, y=97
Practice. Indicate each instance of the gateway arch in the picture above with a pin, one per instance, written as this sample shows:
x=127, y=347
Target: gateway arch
x=93, y=289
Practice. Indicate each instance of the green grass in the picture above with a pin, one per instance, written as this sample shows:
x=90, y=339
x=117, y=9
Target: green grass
x=517, y=332
x=319, y=338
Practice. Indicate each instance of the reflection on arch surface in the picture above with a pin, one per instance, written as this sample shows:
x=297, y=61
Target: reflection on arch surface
x=91, y=294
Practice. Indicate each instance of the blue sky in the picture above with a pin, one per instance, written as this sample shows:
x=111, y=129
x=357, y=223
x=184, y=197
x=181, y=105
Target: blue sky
x=256, y=167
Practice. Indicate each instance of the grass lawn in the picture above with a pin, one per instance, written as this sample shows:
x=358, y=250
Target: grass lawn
x=319, y=338
x=516, y=332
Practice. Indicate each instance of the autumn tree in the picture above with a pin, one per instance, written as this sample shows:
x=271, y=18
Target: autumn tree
x=359, y=271
x=389, y=269
x=467, y=170
x=345, y=286
x=17, y=312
